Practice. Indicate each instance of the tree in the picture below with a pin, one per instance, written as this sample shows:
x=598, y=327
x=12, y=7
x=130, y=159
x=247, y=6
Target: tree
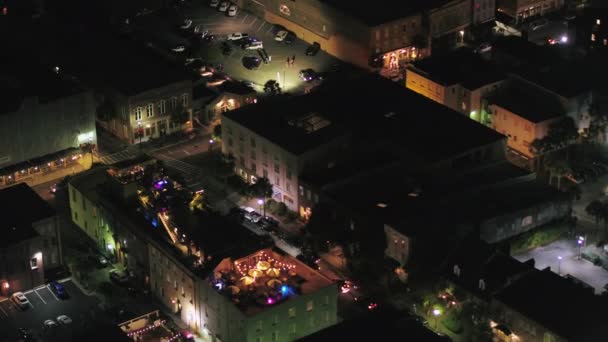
x=562, y=134
x=217, y=133
x=262, y=188
x=272, y=87
x=594, y=209
x=598, y=123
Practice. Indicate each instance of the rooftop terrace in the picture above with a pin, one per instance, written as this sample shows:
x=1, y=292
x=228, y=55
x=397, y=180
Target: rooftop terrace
x=265, y=278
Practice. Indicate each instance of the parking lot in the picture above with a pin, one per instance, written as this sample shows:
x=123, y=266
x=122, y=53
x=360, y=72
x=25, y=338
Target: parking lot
x=45, y=305
x=218, y=24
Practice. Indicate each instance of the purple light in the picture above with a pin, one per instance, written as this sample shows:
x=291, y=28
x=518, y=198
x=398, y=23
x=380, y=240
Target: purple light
x=159, y=185
x=269, y=301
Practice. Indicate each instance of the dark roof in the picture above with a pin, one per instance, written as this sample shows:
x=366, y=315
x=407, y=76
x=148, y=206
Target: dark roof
x=235, y=87
x=386, y=325
x=106, y=331
x=531, y=104
x=567, y=79
x=21, y=206
x=383, y=11
x=558, y=304
x=201, y=91
x=22, y=78
x=461, y=66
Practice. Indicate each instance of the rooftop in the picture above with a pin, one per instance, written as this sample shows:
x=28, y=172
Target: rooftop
x=527, y=102
x=461, y=66
x=21, y=207
x=264, y=279
x=235, y=87
x=383, y=11
x=539, y=295
x=21, y=79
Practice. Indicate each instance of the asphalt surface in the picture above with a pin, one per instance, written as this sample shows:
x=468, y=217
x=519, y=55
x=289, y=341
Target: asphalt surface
x=45, y=305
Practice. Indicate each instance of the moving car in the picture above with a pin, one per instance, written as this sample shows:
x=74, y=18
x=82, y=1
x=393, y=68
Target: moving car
x=313, y=49
x=251, y=62
x=186, y=24
x=281, y=35
x=20, y=300
x=214, y=3
x=237, y=36
x=226, y=49
x=63, y=319
x=254, y=45
x=58, y=290
x=223, y=6
x=25, y=334
x=232, y=11
x=53, y=188
x=307, y=75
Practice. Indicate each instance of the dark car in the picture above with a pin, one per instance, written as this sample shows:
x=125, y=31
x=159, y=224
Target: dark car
x=58, y=290
x=276, y=28
x=251, y=62
x=290, y=38
x=313, y=49
x=307, y=75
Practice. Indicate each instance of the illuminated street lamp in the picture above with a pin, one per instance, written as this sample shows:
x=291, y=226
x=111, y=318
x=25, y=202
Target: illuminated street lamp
x=581, y=244
x=262, y=206
x=211, y=141
x=559, y=264
x=436, y=313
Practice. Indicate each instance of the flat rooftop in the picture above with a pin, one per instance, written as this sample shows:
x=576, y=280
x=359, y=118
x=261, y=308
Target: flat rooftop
x=383, y=11
x=461, y=66
x=264, y=279
x=531, y=104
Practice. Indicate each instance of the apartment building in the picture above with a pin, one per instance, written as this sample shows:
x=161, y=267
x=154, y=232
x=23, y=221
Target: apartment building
x=524, y=9
x=31, y=241
x=483, y=11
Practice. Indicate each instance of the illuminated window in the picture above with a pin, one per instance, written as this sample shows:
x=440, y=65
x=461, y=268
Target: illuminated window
x=598, y=22
x=138, y=112
x=149, y=110
x=593, y=37
x=34, y=263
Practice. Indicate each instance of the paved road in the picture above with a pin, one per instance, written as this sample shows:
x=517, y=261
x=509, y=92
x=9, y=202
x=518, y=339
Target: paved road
x=45, y=305
x=548, y=256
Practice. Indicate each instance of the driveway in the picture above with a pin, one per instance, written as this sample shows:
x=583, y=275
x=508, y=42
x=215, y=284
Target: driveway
x=568, y=250
x=45, y=305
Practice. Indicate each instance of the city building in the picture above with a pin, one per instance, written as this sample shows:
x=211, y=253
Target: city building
x=524, y=114
x=528, y=307
x=45, y=116
x=230, y=95
x=146, y=97
x=461, y=80
x=483, y=11
x=525, y=9
x=448, y=22
x=353, y=31
x=31, y=243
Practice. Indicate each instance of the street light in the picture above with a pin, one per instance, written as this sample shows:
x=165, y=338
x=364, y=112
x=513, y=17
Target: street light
x=436, y=313
x=261, y=203
x=581, y=243
x=559, y=265
x=211, y=141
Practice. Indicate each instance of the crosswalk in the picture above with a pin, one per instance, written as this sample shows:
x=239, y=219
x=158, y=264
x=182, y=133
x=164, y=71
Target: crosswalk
x=118, y=157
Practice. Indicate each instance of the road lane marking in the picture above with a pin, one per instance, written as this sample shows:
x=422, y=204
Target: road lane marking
x=4, y=312
x=39, y=296
x=245, y=17
x=57, y=299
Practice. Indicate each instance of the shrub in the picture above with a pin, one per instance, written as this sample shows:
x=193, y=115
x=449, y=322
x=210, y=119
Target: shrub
x=291, y=216
x=282, y=209
x=452, y=323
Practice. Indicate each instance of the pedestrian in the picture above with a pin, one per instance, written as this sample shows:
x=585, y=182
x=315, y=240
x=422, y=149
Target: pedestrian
x=293, y=59
x=288, y=61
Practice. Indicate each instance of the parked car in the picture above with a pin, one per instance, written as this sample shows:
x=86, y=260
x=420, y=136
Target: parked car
x=483, y=48
x=63, y=319
x=208, y=39
x=291, y=37
x=281, y=35
x=269, y=221
x=49, y=324
x=237, y=36
x=251, y=62
x=232, y=11
x=536, y=24
x=276, y=28
x=251, y=214
x=307, y=75
x=186, y=24
x=223, y=6
x=575, y=178
x=313, y=49
x=254, y=45
x=20, y=300
x=119, y=277
x=58, y=290
x=214, y=3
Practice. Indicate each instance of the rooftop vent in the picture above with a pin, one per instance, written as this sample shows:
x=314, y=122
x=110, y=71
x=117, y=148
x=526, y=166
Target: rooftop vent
x=311, y=122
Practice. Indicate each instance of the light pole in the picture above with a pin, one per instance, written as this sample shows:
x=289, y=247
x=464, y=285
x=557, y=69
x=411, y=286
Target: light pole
x=581, y=244
x=211, y=145
x=436, y=313
x=263, y=207
x=559, y=265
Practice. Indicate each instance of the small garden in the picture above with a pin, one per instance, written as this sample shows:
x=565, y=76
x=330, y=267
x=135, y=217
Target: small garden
x=539, y=237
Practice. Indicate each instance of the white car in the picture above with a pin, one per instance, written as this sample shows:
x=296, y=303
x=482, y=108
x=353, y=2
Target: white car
x=237, y=36
x=20, y=300
x=63, y=319
x=186, y=24
x=49, y=324
x=254, y=45
x=281, y=35
x=179, y=48
x=232, y=10
x=214, y=3
x=223, y=6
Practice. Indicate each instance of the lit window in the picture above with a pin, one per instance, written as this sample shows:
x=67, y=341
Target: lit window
x=34, y=263
x=598, y=22
x=138, y=112
x=149, y=110
x=593, y=37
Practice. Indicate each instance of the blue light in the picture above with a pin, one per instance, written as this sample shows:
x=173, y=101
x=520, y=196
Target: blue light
x=154, y=223
x=284, y=289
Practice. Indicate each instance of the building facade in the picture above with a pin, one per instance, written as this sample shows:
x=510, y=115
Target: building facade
x=524, y=9
x=31, y=242
x=483, y=11
x=148, y=114
x=397, y=245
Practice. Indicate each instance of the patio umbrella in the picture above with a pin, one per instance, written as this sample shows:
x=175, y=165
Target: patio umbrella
x=254, y=272
x=263, y=265
x=246, y=281
x=273, y=272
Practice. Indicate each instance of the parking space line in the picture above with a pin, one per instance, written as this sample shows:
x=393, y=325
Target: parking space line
x=245, y=17
x=4, y=312
x=57, y=299
x=270, y=29
x=254, y=21
x=259, y=28
x=39, y=296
